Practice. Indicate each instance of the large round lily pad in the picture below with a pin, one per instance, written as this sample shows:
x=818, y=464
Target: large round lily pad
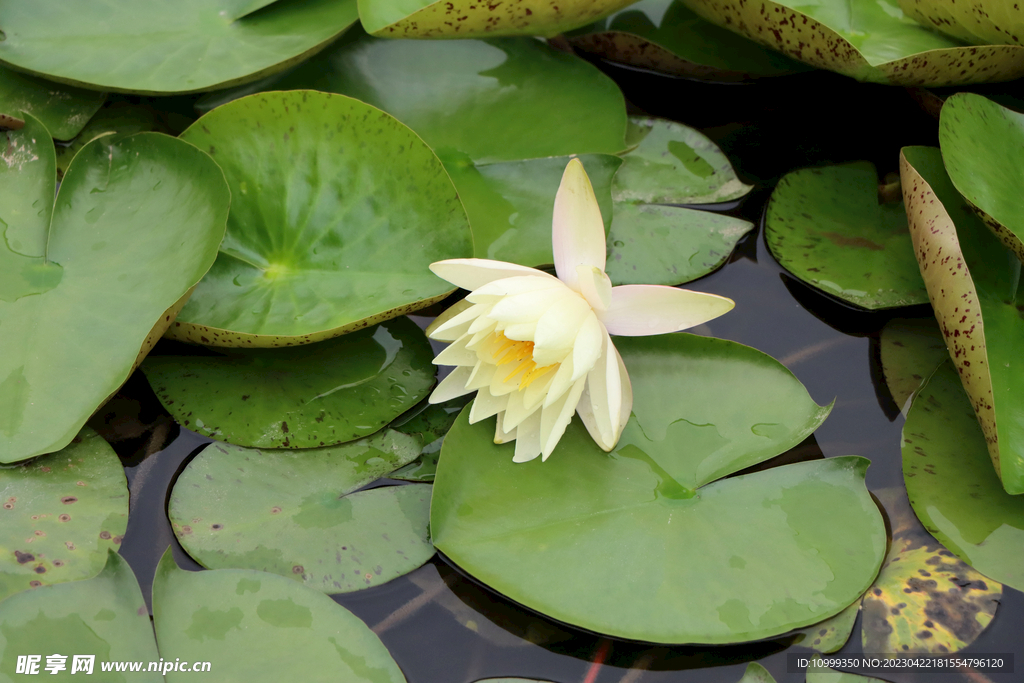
x=706, y=559
x=827, y=227
x=103, y=619
x=82, y=284
x=982, y=145
x=871, y=41
x=972, y=281
x=337, y=210
x=159, y=48
x=488, y=100
x=60, y=514
x=62, y=109
x=226, y=616
x=471, y=19
x=302, y=396
x=293, y=512
x=668, y=37
x=952, y=486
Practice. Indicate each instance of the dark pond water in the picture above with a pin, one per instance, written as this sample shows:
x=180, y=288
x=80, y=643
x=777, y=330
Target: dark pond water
x=442, y=627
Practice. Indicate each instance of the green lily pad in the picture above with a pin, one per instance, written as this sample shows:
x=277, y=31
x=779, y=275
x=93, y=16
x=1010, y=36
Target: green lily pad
x=63, y=110
x=827, y=227
x=510, y=203
x=337, y=210
x=668, y=37
x=925, y=600
x=673, y=164
x=973, y=21
x=429, y=427
x=771, y=551
x=224, y=616
x=159, y=48
x=105, y=617
x=755, y=673
x=973, y=285
x=119, y=118
x=868, y=41
x=293, y=513
x=60, y=514
x=911, y=349
x=668, y=245
x=302, y=396
x=952, y=487
x=831, y=634
x=457, y=94
x=470, y=19
x=980, y=143
x=84, y=287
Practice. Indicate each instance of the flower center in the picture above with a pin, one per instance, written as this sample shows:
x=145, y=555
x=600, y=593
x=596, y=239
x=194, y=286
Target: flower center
x=518, y=354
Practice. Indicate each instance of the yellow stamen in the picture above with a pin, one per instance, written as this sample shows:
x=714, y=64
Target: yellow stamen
x=535, y=374
x=521, y=353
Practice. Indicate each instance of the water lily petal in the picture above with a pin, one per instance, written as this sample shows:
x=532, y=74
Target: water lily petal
x=526, y=307
x=587, y=348
x=521, y=331
x=595, y=286
x=446, y=326
x=474, y=273
x=481, y=376
x=456, y=353
x=577, y=229
x=561, y=381
x=500, y=435
x=640, y=310
x=528, y=439
x=452, y=386
x=521, y=284
x=516, y=412
x=557, y=329
x=485, y=405
x=555, y=418
x=535, y=394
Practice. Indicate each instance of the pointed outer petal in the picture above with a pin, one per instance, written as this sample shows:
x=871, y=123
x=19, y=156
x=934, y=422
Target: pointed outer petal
x=452, y=386
x=485, y=405
x=526, y=307
x=555, y=418
x=456, y=353
x=459, y=315
x=586, y=412
x=535, y=394
x=595, y=286
x=482, y=323
x=577, y=230
x=474, y=273
x=521, y=331
x=587, y=348
x=604, y=387
x=557, y=330
x=500, y=435
x=528, y=439
x=511, y=286
x=640, y=310
x=561, y=381
x=498, y=386
x=626, y=387
x=480, y=377
x=516, y=412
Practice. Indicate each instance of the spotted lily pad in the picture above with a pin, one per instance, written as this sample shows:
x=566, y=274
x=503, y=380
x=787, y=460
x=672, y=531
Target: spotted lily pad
x=160, y=48
x=673, y=164
x=302, y=396
x=771, y=551
x=925, y=600
x=471, y=19
x=972, y=21
x=60, y=514
x=103, y=619
x=668, y=37
x=337, y=210
x=668, y=245
x=224, y=616
x=911, y=349
x=869, y=41
x=981, y=143
x=831, y=634
x=952, y=487
x=973, y=283
x=62, y=109
x=827, y=227
x=293, y=513
x=87, y=290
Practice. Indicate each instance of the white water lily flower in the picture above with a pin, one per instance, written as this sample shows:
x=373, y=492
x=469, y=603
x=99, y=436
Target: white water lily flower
x=536, y=348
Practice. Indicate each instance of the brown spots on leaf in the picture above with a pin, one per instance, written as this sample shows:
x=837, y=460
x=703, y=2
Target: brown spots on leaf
x=23, y=558
x=847, y=241
x=105, y=535
x=64, y=518
x=298, y=569
x=68, y=500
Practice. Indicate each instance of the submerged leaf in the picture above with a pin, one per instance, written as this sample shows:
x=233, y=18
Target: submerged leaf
x=911, y=349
